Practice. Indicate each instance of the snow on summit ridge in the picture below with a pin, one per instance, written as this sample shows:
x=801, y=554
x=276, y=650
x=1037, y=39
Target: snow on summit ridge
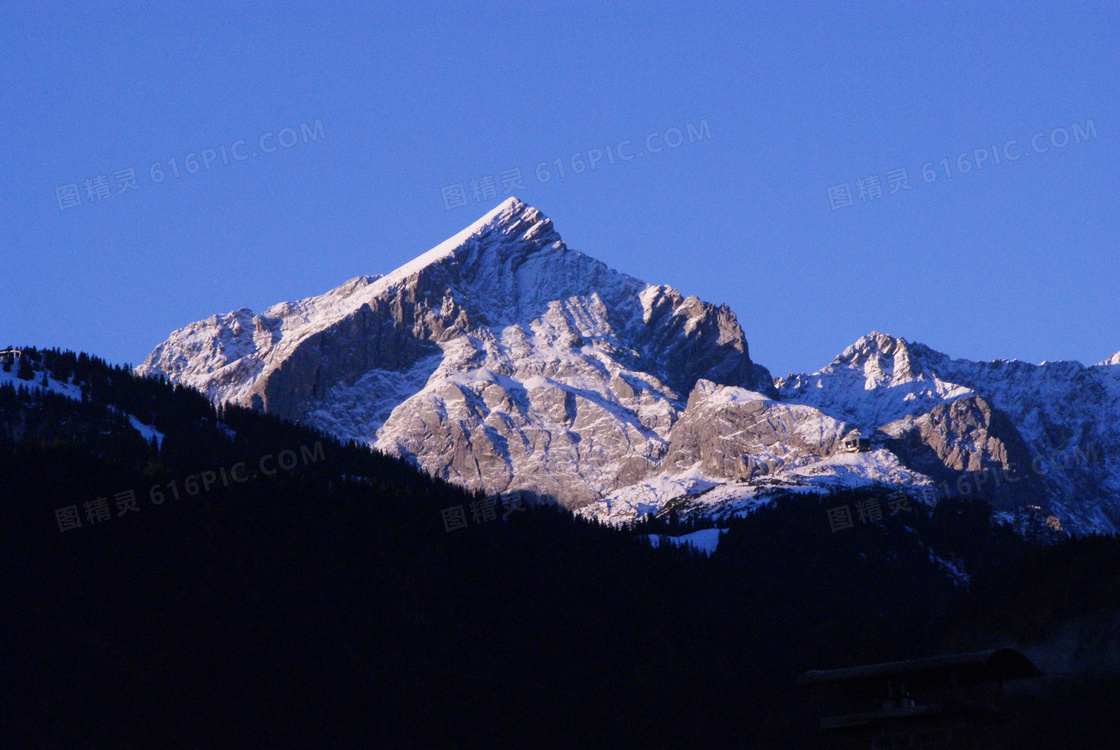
x=508, y=216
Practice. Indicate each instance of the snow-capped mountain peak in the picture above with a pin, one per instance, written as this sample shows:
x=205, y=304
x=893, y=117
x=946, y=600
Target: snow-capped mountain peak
x=947, y=415
x=885, y=359
x=500, y=358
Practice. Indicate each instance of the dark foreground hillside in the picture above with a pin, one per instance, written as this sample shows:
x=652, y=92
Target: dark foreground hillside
x=314, y=597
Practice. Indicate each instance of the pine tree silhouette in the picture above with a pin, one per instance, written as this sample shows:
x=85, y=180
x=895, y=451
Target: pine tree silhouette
x=25, y=372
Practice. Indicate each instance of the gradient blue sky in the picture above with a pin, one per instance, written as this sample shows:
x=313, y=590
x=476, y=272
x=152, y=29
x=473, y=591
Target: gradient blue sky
x=1016, y=260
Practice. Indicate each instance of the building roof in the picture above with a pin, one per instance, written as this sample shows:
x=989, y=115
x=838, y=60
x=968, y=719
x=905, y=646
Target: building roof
x=920, y=675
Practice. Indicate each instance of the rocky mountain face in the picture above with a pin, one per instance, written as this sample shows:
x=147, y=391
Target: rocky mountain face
x=501, y=359
x=734, y=433
x=1016, y=433
x=506, y=361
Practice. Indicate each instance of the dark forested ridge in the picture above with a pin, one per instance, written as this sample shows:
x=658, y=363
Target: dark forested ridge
x=314, y=598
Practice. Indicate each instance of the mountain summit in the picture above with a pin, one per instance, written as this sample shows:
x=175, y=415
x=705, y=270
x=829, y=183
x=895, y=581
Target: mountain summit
x=500, y=358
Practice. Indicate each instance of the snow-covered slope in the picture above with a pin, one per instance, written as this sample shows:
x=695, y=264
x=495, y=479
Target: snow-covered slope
x=70, y=391
x=705, y=540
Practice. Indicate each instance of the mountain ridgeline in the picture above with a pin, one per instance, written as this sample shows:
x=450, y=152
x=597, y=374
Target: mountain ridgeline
x=506, y=362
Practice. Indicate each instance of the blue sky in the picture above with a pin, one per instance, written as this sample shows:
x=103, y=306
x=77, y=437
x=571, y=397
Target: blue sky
x=1016, y=260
